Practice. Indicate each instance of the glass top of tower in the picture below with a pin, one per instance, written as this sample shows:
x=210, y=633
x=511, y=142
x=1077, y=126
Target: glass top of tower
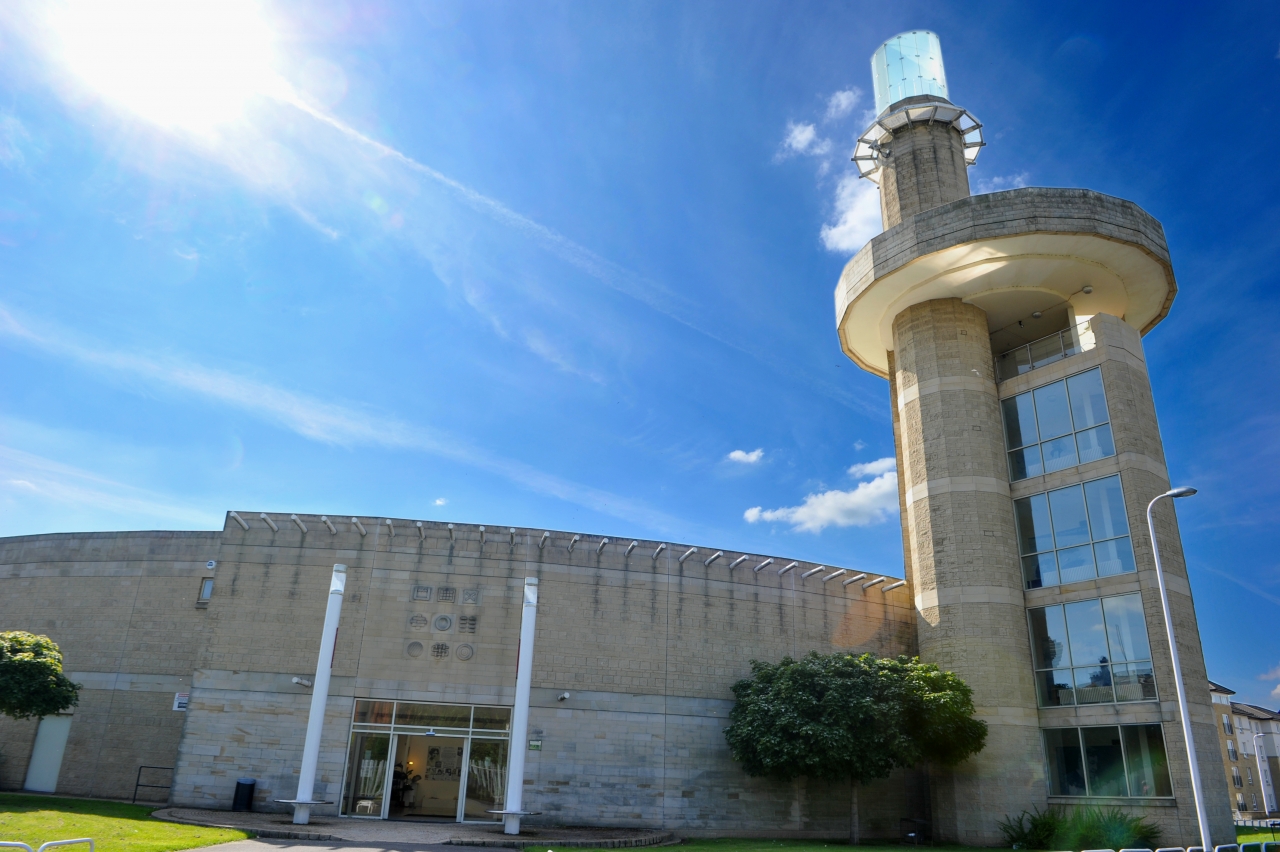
x=908, y=64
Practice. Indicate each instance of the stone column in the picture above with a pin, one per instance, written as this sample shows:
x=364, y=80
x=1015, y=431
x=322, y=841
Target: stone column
x=924, y=169
x=963, y=559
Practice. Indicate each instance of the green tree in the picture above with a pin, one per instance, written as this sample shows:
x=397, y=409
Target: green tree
x=32, y=684
x=841, y=716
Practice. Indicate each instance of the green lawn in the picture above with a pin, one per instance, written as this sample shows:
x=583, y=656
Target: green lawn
x=1257, y=835
x=114, y=826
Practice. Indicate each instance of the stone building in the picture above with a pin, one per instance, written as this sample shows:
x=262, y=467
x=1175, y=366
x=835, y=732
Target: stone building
x=1249, y=739
x=1010, y=328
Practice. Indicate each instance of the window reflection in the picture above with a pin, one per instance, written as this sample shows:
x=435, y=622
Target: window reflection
x=1074, y=533
x=1091, y=652
x=1057, y=426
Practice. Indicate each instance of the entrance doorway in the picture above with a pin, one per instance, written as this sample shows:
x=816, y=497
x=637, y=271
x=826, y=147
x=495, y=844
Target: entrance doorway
x=426, y=761
x=426, y=777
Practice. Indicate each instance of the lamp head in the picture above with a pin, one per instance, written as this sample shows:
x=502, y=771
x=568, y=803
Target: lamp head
x=1184, y=491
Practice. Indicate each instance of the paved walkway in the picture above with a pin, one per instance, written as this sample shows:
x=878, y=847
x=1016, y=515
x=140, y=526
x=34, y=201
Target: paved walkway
x=356, y=835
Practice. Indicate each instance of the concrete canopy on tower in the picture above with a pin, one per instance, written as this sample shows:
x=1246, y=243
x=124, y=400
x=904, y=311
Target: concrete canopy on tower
x=1010, y=253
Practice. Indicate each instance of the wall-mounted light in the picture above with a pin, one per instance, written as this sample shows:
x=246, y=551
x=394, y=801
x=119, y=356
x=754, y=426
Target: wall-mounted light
x=270, y=523
x=600, y=546
x=324, y=519
x=451, y=533
x=359, y=526
x=630, y=547
x=894, y=585
x=575, y=540
x=787, y=568
x=1088, y=288
x=807, y=574
x=422, y=532
x=687, y=554
x=873, y=582
x=299, y=522
x=564, y=696
x=712, y=558
x=735, y=563
x=855, y=578
x=390, y=527
x=661, y=548
x=837, y=573
x=542, y=542
x=512, y=532
x=301, y=681
x=482, y=535
x=239, y=520
x=762, y=566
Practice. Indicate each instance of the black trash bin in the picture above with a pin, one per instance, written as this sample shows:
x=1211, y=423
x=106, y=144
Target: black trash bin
x=243, y=800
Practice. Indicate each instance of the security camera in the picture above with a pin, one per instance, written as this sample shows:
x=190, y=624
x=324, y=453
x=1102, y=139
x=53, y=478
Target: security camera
x=564, y=696
x=301, y=681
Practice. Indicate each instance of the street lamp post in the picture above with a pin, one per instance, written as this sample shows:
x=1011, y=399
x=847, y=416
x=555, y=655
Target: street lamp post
x=1257, y=755
x=1196, y=791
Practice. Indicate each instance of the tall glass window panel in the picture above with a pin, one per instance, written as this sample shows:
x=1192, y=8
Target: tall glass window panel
x=366, y=774
x=1076, y=564
x=1134, y=682
x=1053, y=411
x=1104, y=761
x=1055, y=688
x=374, y=712
x=1040, y=570
x=1088, y=402
x=1088, y=636
x=1093, y=685
x=1066, y=762
x=1126, y=628
x=1070, y=520
x=1147, y=761
x=486, y=779
x=1106, y=508
x=1068, y=418
x=1049, y=637
x=1035, y=532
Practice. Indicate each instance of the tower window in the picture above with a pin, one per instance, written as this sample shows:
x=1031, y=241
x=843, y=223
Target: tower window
x=1057, y=426
x=1074, y=533
x=1231, y=750
x=206, y=592
x=1112, y=760
x=1092, y=652
x=1235, y=777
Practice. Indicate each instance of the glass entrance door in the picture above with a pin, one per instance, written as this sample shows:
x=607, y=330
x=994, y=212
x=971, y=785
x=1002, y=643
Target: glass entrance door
x=427, y=777
x=366, y=775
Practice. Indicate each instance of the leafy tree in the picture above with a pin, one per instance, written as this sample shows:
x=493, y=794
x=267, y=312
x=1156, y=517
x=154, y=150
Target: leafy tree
x=32, y=684
x=838, y=716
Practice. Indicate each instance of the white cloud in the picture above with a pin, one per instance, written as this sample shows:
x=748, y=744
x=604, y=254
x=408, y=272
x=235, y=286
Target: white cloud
x=745, y=457
x=859, y=445
x=1274, y=674
x=869, y=503
x=1275, y=693
x=857, y=209
x=439, y=501
x=842, y=103
x=800, y=137
x=999, y=182
x=873, y=468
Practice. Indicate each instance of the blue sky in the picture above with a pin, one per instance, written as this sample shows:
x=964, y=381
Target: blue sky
x=571, y=265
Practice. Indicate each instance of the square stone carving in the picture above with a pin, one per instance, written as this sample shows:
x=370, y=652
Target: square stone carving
x=446, y=595
x=422, y=593
x=471, y=596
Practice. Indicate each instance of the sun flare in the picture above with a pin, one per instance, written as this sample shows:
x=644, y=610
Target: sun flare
x=191, y=66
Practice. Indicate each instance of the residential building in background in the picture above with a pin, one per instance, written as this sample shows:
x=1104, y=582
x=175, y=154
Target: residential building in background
x=1249, y=736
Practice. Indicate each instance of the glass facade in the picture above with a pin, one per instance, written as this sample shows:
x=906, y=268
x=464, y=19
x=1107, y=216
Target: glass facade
x=908, y=64
x=1092, y=652
x=1110, y=760
x=1057, y=426
x=1074, y=533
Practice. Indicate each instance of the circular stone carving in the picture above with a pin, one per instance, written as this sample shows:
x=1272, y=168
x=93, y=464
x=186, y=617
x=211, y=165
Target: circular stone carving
x=440, y=650
x=414, y=649
x=442, y=623
x=464, y=652
x=418, y=621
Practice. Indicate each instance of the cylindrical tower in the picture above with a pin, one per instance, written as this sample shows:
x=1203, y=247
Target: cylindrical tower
x=1009, y=326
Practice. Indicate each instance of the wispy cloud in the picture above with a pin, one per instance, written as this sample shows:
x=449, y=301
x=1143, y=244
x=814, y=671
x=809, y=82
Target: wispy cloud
x=803, y=138
x=439, y=501
x=869, y=503
x=743, y=457
x=873, y=468
x=319, y=420
x=841, y=103
x=1273, y=674
x=997, y=183
x=27, y=477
